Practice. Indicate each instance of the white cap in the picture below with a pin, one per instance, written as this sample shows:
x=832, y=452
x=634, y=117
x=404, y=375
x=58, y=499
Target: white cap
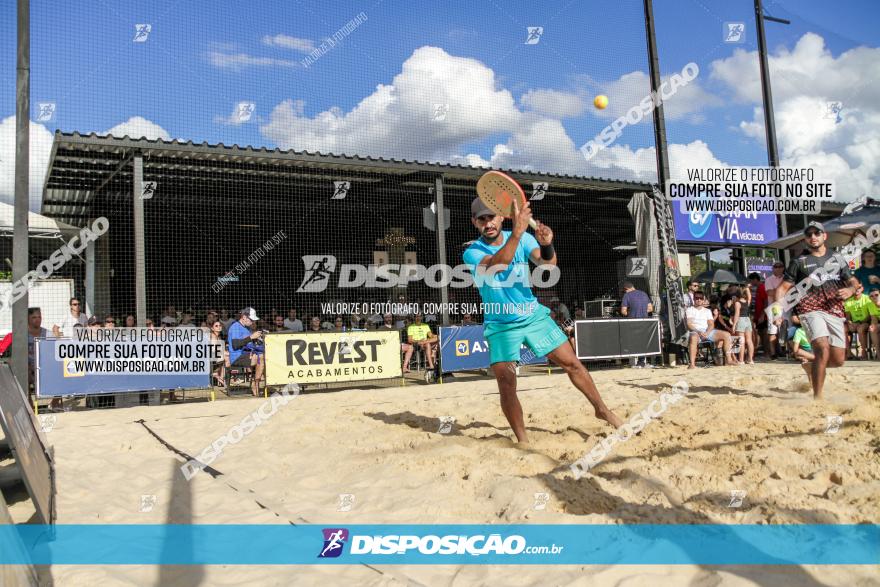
x=250, y=313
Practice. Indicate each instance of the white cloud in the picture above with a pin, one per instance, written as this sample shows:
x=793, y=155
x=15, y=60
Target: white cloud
x=397, y=119
x=808, y=70
x=239, y=61
x=622, y=162
x=804, y=81
x=40, y=149
x=288, y=42
x=554, y=103
x=138, y=127
x=624, y=93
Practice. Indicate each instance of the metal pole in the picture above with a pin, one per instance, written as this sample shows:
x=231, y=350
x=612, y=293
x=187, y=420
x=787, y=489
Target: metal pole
x=20, y=252
x=659, y=121
x=140, y=280
x=767, y=94
x=661, y=152
x=440, y=217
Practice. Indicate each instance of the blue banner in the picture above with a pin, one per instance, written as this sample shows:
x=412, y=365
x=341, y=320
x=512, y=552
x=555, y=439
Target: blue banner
x=57, y=378
x=286, y=544
x=724, y=227
x=463, y=348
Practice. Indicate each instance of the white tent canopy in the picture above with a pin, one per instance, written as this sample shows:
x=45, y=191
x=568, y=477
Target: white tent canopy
x=39, y=226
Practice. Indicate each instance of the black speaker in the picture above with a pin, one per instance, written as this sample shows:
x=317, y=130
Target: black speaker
x=613, y=338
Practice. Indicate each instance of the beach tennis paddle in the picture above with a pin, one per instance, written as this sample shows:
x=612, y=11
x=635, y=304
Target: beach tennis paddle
x=499, y=191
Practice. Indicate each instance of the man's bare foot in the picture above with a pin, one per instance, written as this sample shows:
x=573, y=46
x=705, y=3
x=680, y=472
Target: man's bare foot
x=818, y=397
x=692, y=367
x=610, y=417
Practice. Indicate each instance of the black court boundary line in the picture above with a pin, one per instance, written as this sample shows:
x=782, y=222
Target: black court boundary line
x=216, y=474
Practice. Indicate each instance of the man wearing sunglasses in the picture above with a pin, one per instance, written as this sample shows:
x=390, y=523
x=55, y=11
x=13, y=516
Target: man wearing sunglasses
x=820, y=307
x=513, y=316
x=76, y=316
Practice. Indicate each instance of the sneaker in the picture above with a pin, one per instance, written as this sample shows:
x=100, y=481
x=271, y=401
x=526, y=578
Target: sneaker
x=647, y=366
x=636, y=366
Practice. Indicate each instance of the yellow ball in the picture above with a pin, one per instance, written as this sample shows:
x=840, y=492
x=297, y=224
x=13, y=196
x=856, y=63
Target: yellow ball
x=601, y=102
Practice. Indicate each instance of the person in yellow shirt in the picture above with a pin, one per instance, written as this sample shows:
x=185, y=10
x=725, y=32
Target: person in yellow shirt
x=862, y=317
x=419, y=333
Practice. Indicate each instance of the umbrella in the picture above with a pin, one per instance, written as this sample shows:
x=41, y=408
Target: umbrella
x=840, y=231
x=719, y=276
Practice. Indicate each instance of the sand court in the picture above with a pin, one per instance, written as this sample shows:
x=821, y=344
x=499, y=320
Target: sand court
x=747, y=429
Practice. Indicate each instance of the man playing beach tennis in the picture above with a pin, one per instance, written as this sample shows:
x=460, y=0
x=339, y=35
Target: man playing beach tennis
x=499, y=261
x=820, y=310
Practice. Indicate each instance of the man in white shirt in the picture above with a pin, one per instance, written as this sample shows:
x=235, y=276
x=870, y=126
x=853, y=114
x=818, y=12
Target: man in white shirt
x=293, y=323
x=702, y=328
x=76, y=316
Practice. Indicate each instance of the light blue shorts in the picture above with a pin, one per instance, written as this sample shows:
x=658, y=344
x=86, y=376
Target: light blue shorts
x=540, y=333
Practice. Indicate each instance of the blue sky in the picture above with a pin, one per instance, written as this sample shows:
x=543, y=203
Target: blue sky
x=510, y=104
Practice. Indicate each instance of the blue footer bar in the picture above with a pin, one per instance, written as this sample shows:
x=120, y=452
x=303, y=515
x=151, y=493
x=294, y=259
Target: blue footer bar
x=440, y=544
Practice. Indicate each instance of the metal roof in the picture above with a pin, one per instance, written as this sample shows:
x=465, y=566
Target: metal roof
x=82, y=165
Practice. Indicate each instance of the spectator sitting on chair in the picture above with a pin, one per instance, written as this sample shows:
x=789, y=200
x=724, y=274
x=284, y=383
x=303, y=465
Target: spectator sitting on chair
x=76, y=316
x=406, y=348
x=186, y=321
x=315, y=324
x=579, y=313
x=860, y=317
x=210, y=318
x=109, y=321
x=419, y=333
x=467, y=320
x=636, y=304
x=293, y=323
x=149, y=324
x=564, y=312
x=169, y=312
x=244, y=349
x=130, y=321
x=278, y=324
x=339, y=324
x=702, y=328
x=220, y=364
x=94, y=322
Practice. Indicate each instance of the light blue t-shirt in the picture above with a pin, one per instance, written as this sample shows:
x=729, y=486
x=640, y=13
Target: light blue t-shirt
x=507, y=295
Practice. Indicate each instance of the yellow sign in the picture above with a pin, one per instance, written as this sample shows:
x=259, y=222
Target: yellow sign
x=330, y=357
x=462, y=348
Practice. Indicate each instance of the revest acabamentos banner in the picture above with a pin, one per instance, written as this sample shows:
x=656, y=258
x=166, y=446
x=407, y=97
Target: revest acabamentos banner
x=330, y=357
